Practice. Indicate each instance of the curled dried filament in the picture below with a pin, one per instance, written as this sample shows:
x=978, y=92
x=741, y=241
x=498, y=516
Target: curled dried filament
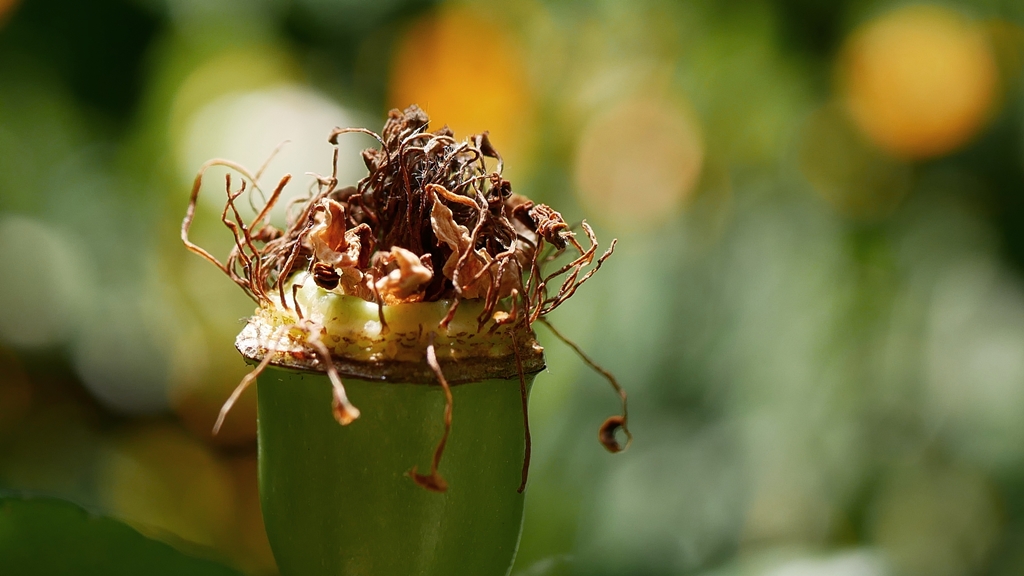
x=606, y=433
x=434, y=481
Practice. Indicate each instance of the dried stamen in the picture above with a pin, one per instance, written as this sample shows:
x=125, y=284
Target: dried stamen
x=612, y=424
x=434, y=481
x=526, y=416
x=237, y=393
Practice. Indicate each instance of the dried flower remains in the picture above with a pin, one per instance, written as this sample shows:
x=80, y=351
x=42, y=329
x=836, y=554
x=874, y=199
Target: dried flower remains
x=432, y=221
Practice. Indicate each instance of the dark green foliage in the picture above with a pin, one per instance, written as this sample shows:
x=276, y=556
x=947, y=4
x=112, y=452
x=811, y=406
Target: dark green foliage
x=51, y=537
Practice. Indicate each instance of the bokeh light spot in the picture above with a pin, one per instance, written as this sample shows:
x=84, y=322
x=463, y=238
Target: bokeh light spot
x=974, y=362
x=39, y=287
x=467, y=73
x=247, y=127
x=122, y=364
x=6, y=8
x=920, y=81
x=230, y=72
x=638, y=163
x=851, y=563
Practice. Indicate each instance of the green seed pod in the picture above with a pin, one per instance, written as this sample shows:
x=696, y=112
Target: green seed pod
x=338, y=499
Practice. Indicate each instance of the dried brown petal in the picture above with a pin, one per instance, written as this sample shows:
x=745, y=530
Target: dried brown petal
x=404, y=283
x=362, y=238
x=328, y=238
x=473, y=277
x=353, y=283
x=447, y=230
x=483, y=142
x=346, y=251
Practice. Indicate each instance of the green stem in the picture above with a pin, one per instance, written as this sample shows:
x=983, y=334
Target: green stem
x=338, y=500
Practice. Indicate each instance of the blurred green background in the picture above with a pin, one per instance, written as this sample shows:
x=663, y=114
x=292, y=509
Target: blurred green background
x=817, y=303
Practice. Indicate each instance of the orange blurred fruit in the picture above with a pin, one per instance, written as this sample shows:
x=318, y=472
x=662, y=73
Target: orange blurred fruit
x=467, y=73
x=919, y=81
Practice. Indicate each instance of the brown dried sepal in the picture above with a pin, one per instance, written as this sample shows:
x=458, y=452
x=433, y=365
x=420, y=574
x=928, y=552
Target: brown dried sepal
x=466, y=267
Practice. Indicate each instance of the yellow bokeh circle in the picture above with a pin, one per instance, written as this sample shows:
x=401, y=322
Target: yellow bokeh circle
x=465, y=72
x=919, y=81
x=638, y=162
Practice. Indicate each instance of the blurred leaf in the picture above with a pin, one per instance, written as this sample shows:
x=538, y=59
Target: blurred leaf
x=54, y=537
